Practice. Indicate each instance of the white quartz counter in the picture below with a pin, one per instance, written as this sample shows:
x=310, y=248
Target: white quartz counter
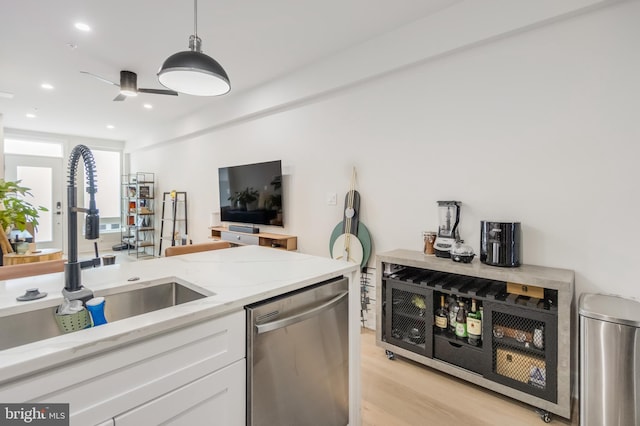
x=234, y=278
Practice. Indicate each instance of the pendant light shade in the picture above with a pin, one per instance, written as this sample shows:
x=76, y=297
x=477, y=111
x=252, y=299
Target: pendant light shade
x=192, y=72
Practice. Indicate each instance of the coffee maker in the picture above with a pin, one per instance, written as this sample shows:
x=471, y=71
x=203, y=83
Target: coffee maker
x=449, y=212
x=500, y=243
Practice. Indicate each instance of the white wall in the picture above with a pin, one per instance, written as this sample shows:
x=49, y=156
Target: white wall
x=540, y=127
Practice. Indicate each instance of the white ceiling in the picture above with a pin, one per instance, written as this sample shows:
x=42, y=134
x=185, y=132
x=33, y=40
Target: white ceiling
x=255, y=41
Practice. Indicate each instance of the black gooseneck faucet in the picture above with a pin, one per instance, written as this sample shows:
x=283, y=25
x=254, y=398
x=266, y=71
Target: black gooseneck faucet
x=73, y=288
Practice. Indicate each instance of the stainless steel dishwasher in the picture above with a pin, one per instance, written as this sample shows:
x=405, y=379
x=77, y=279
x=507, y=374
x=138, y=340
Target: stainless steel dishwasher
x=298, y=357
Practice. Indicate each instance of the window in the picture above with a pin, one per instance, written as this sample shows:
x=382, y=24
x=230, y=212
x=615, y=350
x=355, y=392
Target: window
x=29, y=158
x=31, y=147
x=37, y=164
x=108, y=172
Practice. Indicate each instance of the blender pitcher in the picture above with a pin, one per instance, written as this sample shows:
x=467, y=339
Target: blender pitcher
x=449, y=212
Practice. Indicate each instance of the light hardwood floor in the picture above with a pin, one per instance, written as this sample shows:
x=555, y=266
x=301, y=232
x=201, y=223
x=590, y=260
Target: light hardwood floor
x=402, y=392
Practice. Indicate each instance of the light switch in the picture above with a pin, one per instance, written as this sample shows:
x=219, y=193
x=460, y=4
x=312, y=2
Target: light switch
x=332, y=198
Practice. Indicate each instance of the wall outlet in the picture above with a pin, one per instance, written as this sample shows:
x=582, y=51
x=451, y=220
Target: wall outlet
x=332, y=198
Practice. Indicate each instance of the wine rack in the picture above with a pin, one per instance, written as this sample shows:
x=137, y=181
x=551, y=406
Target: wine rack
x=449, y=347
x=524, y=350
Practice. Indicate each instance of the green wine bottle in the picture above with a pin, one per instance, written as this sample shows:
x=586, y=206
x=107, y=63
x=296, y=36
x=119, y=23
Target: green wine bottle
x=474, y=325
x=461, y=322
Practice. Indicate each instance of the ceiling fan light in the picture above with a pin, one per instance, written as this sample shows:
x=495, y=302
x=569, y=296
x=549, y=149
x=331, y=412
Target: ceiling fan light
x=194, y=73
x=128, y=83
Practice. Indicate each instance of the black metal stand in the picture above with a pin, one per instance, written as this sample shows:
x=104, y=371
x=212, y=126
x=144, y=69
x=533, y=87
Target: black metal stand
x=178, y=214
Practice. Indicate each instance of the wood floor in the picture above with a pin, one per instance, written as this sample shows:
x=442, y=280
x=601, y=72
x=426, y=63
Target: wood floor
x=402, y=392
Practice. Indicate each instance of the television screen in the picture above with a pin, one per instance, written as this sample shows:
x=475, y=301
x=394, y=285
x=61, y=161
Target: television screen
x=251, y=193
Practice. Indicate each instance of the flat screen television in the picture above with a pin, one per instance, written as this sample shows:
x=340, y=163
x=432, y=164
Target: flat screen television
x=251, y=193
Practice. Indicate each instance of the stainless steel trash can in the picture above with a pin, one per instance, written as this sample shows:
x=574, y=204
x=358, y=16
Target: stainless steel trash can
x=609, y=361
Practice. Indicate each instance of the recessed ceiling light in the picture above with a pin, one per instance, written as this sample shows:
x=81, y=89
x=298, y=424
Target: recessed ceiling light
x=46, y=86
x=30, y=115
x=148, y=106
x=82, y=26
x=110, y=126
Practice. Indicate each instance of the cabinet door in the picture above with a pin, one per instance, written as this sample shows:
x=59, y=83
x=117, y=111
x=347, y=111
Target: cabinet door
x=116, y=381
x=215, y=399
x=240, y=238
x=409, y=317
x=524, y=348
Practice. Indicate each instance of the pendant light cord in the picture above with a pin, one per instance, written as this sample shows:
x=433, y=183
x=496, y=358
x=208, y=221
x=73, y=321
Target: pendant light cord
x=178, y=70
x=195, y=18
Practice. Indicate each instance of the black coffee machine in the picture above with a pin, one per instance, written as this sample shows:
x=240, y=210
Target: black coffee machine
x=500, y=243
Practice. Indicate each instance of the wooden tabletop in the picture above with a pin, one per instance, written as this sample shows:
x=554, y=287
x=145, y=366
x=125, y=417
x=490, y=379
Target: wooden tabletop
x=39, y=256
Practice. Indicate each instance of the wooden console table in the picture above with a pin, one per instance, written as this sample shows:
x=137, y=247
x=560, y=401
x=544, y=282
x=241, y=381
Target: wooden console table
x=265, y=239
x=40, y=256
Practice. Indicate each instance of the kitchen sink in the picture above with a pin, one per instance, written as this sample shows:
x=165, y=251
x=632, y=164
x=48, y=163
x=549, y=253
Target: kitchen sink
x=40, y=324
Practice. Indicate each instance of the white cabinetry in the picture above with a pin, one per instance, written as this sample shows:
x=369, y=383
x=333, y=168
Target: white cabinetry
x=118, y=381
x=216, y=399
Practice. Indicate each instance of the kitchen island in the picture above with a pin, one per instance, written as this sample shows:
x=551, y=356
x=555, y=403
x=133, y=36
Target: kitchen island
x=162, y=359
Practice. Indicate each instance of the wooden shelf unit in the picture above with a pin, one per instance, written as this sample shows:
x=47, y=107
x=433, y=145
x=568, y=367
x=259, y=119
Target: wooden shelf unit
x=265, y=239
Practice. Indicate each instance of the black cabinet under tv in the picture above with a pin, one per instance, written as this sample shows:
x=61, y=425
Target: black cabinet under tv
x=525, y=351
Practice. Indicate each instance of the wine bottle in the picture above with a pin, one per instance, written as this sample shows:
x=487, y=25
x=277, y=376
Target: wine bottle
x=442, y=317
x=453, y=312
x=461, y=321
x=474, y=325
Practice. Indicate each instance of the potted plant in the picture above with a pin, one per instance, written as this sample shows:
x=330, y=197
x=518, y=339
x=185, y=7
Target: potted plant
x=242, y=199
x=15, y=211
x=275, y=200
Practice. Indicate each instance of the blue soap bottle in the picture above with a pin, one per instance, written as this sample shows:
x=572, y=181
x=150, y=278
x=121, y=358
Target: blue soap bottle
x=95, y=307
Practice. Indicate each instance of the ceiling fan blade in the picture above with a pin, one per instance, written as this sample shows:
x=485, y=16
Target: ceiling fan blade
x=158, y=92
x=120, y=97
x=100, y=78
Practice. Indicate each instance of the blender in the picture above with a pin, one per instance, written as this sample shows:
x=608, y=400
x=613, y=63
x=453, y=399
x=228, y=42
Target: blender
x=448, y=229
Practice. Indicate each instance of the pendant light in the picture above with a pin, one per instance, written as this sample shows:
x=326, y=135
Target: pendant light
x=192, y=72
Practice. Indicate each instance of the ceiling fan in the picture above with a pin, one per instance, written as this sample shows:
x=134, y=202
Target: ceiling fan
x=129, y=86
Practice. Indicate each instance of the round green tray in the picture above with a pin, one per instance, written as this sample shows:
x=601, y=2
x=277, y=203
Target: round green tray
x=363, y=236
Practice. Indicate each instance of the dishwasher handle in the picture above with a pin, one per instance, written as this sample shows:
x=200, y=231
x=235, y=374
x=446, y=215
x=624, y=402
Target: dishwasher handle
x=293, y=319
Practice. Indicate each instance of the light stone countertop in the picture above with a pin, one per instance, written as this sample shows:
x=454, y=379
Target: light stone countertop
x=553, y=278
x=235, y=277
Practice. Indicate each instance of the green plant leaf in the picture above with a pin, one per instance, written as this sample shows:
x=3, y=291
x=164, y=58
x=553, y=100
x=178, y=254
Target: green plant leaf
x=17, y=211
